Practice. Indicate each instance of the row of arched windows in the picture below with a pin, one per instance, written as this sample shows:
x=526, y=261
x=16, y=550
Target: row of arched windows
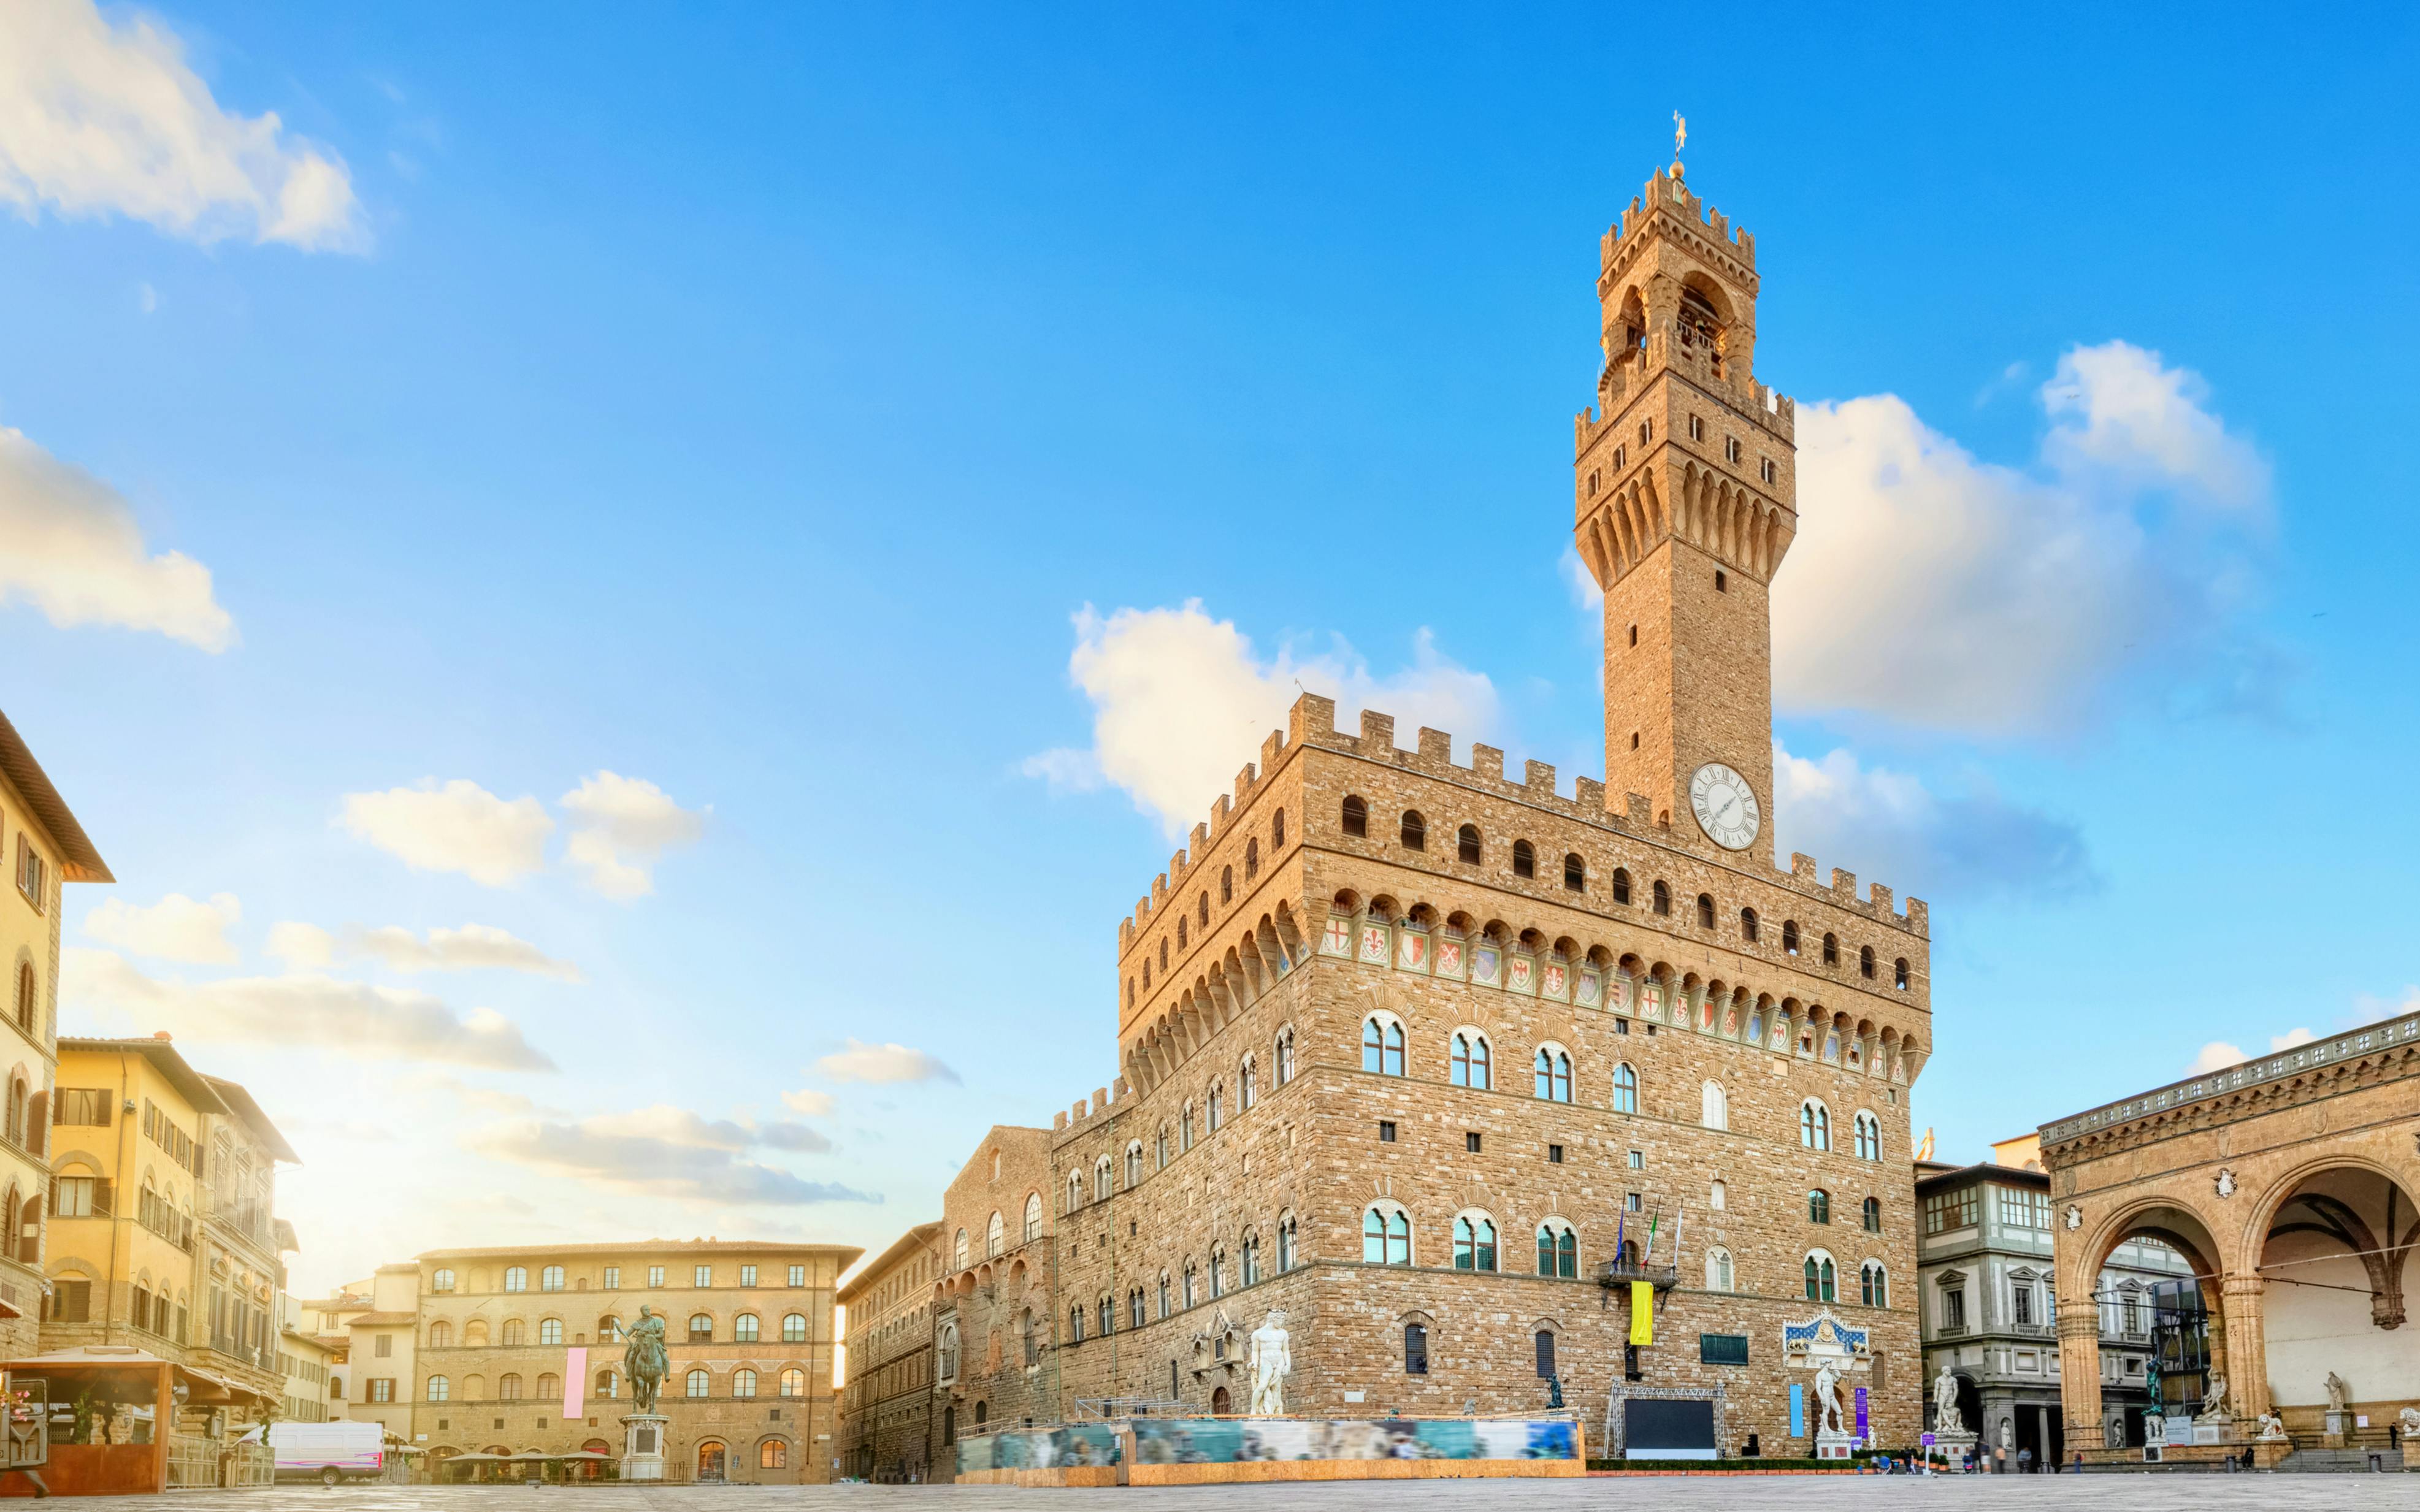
x=1469, y=1059
x=1193, y=1283
x=746, y=1328
x=1470, y=849
x=1386, y=1239
x=745, y=1382
x=1199, y=920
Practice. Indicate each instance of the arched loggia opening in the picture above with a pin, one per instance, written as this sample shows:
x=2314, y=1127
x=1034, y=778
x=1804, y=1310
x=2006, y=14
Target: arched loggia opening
x=2155, y=1303
x=2338, y=1256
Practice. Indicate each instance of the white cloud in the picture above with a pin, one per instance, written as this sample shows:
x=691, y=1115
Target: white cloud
x=74, y=550
x=461, y=827
x=302, y=1009
x=1181, y=703
x=624, y=825
x=808, y=1102
x=300, y=945
x=862, y=1062
x=668, y=1151
x=2119, y=410
x=471, y=947
x=1940, y=591
x=177, y=928
x=1889, y=826
x=98, y=120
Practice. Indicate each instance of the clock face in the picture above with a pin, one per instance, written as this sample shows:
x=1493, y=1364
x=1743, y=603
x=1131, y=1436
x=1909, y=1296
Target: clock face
x=1725, y=806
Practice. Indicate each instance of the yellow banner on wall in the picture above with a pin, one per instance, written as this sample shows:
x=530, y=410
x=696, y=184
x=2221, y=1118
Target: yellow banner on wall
x=1642, y=1313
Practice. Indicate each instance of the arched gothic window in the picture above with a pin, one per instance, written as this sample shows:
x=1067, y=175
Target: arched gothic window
x=1382, y=1045
x=1474, y=1242
x=1873, y=1284
x=1356, y=818
x=1714, y=1110
x=1469, y=1063
x=1525, y=859
x=1870, y=1137
x=1553, y=1074
x=1625, y=1088
x=1622, y=885
x=1032, y=1216
x=1898, y=973
x=1247, y=1084
x=1558, y=1249
x=1465, y=846
x=1287, y=1254
x=1718, y=1269
x=1822, y=1282
x=1662, y=899
x=1747, y=925
x=1575, y=872
x=995, y=1236
x=1416, y=831
x=1705, y=910
x=1385, y=1236
x=1790, y=936
x=1814, y=1125
x=1285, y=1057
x=1866, y=962
x=1819, y=1206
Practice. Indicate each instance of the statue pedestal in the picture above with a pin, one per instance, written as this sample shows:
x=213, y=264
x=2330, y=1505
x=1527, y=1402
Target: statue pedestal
x=2339, y=1425
x=1834, y=1445
x=1952, y=1448
x=642, y=1446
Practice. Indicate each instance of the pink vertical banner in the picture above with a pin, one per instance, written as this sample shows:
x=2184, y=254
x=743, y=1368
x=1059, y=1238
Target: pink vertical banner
x=575, y=1381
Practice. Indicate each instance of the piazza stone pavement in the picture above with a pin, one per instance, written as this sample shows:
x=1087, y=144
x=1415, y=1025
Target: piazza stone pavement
x=1712, y=1493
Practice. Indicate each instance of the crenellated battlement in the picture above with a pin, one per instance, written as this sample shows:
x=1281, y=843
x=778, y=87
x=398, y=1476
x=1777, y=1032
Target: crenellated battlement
x=1105, y=1103
x=1668, y=193
x=1312, y=722
x=1222, y=819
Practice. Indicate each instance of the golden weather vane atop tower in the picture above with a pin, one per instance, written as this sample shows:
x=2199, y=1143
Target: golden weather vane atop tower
x=1680, y=140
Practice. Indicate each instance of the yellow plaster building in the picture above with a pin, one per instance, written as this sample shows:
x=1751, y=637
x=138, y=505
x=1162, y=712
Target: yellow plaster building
x=45, y=848
x=161, y=1231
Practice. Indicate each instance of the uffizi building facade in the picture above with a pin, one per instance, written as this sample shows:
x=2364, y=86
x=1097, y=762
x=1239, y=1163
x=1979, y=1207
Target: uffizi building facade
x=1421, y=1051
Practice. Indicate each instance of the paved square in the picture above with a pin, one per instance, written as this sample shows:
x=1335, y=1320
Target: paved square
x=1710, y=1493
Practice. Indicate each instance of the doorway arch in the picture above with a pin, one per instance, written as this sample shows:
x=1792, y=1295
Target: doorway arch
x=713, y=1460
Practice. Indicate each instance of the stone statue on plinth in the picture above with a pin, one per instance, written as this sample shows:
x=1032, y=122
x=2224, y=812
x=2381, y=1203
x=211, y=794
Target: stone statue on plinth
x=2214, y=1406
x=1271, y=1359
x=2272, y=1427
x=2339, y=1393
x=1944, y=1404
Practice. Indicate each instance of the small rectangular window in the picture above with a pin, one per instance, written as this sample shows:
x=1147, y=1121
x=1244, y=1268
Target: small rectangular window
x=748, y=1275
x=612, y=1278
x=654, y=1275
x=1553, y=1154
x=1631, y=1201
x=1697, y=429
x=382, y=1346
x=1386, y=1132
x=1637, y=1160
x=702, y=1276
x=1470, y=1141
x=1731, y=448
x=798, y=1276
x=1769, y=472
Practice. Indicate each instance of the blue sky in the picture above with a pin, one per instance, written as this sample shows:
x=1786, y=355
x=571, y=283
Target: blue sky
x=653, y=469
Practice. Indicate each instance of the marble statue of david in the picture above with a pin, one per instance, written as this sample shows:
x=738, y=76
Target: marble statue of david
x=1271, y=1359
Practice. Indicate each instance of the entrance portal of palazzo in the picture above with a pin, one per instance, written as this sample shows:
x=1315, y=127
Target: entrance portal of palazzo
x=2288, y=1183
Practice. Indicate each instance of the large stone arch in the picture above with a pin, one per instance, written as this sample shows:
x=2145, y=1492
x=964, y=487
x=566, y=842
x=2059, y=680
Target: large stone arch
x=2170, y=1214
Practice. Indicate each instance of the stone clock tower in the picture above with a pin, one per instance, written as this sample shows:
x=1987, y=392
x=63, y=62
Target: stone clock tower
x=1686, y=484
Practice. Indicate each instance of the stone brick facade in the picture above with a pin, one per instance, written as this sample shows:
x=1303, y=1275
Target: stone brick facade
x=1382, y=987
x=994, y=1362
x=890, y=1427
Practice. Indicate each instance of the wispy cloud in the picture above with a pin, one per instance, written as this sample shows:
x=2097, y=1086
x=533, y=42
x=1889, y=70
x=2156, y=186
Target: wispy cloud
x=460, y=827
x=367, y=1023
x=671, y=1152
x=103, y=117
x=1181, y=701
x=177, y=928
x=884, y=1063
x=74, y=551
x=471, y=947
x=1889, y=827
x=1939, y=591
x=622, y=826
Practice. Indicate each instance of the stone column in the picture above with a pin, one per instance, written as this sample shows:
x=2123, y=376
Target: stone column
x=2247, y=1349
x=2079, y=1370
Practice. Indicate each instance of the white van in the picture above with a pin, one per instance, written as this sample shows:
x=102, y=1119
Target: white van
x=330, y=1453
